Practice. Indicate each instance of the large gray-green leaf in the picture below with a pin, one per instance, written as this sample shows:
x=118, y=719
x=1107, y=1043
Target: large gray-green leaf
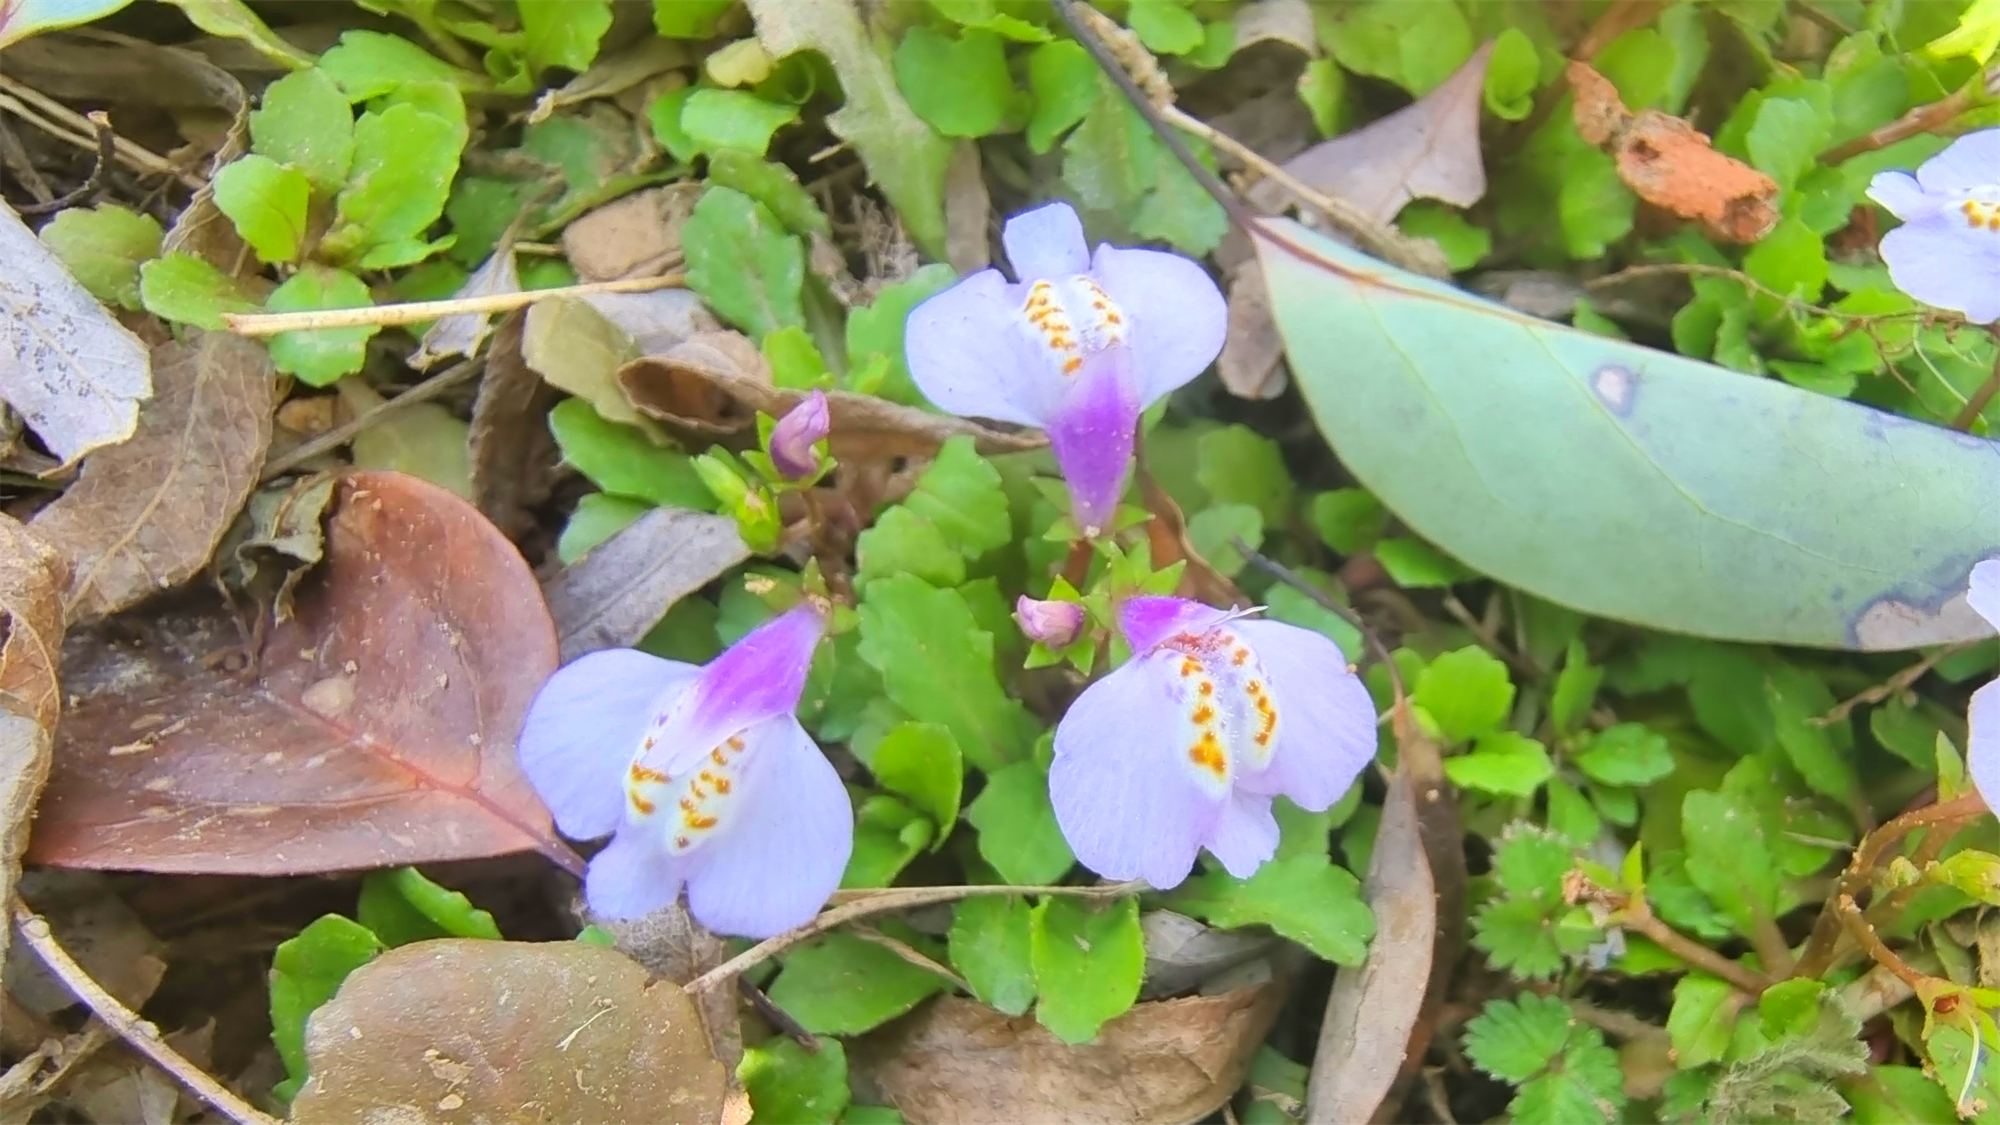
x=1630, y=482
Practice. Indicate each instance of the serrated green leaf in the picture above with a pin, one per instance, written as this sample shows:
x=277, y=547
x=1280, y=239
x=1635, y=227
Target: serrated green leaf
x=1575, y=688
x=1464, y=244
x=937, y=665
x=1790, y=1007
x=1304, y=897
x=1701, y=1019
x=1798, y=698
x=903, y=542
x=305, y=121
x=401, y=906
x=1238, y=465
x=1898, y=1095
x=1349, y=520
x=1729, y=856
x=888, y=835
x=103, y=247
x=1792, y=260
x=266, y=201
x=1530, y=862
x=563, y=33
x=1089, y=959
x=1518, y=936
x=1212, y=533
x=1626, y=754
x=716, y=119
x=1514, y=1040
x=1588, y=1089
x=960, y=494
x=960, y=86
x=187, y=290
x=921, y=761
x=1018, y=833
x=623, y=461
x=743, y=263
x=878, y=328
x=1065, y=83
x=1415, y=565
x=991, y=947
x=306, y=971
x=843, y=985
x=1785, y=138
x=787, y=1084
x=404, y=161
x=1466, y=691
x=319, y=356
x=1502, y=762
x=368, y=64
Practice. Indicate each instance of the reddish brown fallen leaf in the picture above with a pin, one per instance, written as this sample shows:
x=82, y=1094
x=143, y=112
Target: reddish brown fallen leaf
x=463, y=1030
x=1670, y=164
x=1169, y=1062
x=146, y=514
x=1429, y=149
x=378, y=729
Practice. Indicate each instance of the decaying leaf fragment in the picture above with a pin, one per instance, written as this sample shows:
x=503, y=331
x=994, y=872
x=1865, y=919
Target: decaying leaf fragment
x=512, y=452
x=1668, y=163
x=464, y=1030
x=32, y=575
x=375, y=728
x=76, y=375
x=610, y=597
x=146, y=515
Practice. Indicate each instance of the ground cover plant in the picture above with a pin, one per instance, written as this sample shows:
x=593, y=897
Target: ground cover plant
x=1000, y=560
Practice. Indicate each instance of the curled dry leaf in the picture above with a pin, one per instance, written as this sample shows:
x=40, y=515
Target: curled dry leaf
x=73, y=372
x=1182, y=954
x=638, y=235
x=279, y=535
x=512, y=452
x=1168, y=1062
x=1670, y=164
x=1252, y=363
x=621, y=589
x=712, y=383
x=463, y=1030
x=376, y=729
x=1429, y=149
x=968, y=212
x=146, y=515
x=32, y=575
x=462, y=334
x=1284, y=21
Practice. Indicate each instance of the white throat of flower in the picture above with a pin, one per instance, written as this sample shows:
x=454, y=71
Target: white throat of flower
x=1070, y=318
x=689, y=809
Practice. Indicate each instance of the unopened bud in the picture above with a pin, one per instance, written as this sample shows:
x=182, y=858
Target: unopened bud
x=1052, y=623
x=793, y=438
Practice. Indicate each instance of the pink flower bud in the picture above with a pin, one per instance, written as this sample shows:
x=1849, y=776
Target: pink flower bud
x=1055, y=624
x=793, y=438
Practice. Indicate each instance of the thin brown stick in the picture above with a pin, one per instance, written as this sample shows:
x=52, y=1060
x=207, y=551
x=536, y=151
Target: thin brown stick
x=107, y=151
x=1976, y=405
x=777, y=1017
x=1636, y=914
x=1624, y=1025
x=913, y=956
x=1823, y=948
x=140, y=1034
x=1923, y=119
x=342, y=434
x=64, y=123
x=1893, y=686
x=1849, y=913
x=415, y=312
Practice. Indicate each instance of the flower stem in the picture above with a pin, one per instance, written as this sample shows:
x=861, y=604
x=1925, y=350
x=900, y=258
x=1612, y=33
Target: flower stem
x=1637, y=916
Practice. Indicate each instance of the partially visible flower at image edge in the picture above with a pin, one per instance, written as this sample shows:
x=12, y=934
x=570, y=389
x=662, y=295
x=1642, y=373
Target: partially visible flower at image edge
x=1982, y=754
x=1080, y=346
x=702, y=776
x=1947, y=252
x=1184, y=746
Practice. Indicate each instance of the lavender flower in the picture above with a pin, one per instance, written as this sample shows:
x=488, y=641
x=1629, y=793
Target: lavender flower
x=1947, y=252
x=703, y=775
x=1080, y=346
x=1184, y=747
x=1051, y=623
x=1982, y=754
x=793, y=438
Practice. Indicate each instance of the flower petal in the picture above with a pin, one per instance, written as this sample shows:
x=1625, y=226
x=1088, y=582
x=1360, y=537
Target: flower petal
x=1046, y=242
x=1127, y=808
x=1177, y=315
x=967, y=353
x=787, y=844
x=1985, y=590
x=633, y=876
x=1971, y=161
x=1326, y=721
x=1245, y=835
x=1091, y=435
x=1982, y=754
x=1940, y=262
x=1903, y=196
x=584, y=728
x=757, y=678
x=1146, y=621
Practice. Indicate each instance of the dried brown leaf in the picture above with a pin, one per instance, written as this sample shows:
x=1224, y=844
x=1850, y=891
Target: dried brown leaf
x=1429, y=149
x=1285, y=21
x=147, y=514
x=675, y=947
x=377, y=728
x=1252, y=363
x=461, y=335
x=32, y=576
x=614, y=73
x=1183, y=954
x=638, y=235
x=610, y=597
x=463, y=1030
x=99, y=929
x=513, y=454
x=968, y=212
x=1169, y=1062
x=280, y=533
x=578, y=349
x=712, y=384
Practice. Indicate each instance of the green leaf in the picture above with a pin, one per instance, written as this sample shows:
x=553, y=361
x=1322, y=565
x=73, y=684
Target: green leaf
x=233, y=19
x=1164, y=26
x=664, y=114
x=1791, y=259
x=878, y=328
x=937, y=665
x=888, y=834
x=1089, y=959
x=319, y=356
x=1626, y=754
x=1212, y=532
x=1238, y=465
x=32, y=17
x=1464, y=244
x=1512, y=73
x=1790, y=1007
x=903, y=542
x=1785, y=138
x=1116, y=166
x=1415, y=565
x=102, y=247
x=1531, y=863
x=1897, y=1095
x=404, y=161
x=1729, y=856
x=306, y=971
x=1514, y=1040
x=425, y=440
x=369, y=64
x=1323, y=88
x=688, y=19
x=921, y=762
x=1593, y=204
x=789, y=1085
x=1656, y=500
x=991, y=948
x=563, y=33
x=597, y=517
x=306, y=122
x=1798, y=698
x=1018, y=833
x=1349, y=520
x=1575, y=688
x=1064, y=81
x=401, y=906
x=187, y=290
x=1503, y=762
x=1466, y=692
x=266, y=201
x=1587, y=1089
x=1304, y=897
x=714, y=119
x=960, y=86
x=1700, y=1022
x=843, y=985
x=870, y=1115
x=960, y=494
x=748, y=269
x=1518, y=936
x=622, y=460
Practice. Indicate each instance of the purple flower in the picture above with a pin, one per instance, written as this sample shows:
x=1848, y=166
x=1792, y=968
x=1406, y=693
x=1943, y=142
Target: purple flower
x=1080, y=346
x=793, y=438
x=1947, y=252
x=1184, y=747
x=1982, y=754
x=704, y=775
x=1051, y=623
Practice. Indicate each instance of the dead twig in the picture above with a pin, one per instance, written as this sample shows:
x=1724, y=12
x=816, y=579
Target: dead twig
x=1976, y=405
x=1923, y=119
x=416, y=312
x=107, y=150
x=777, y=1017
x=1893, y=686
x=340, y=435
x=62, y=122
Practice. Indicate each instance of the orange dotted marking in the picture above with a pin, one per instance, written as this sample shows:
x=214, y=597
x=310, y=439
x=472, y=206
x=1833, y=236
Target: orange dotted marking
x=642, y=774
x=1207, y=753
x=715, y=756
x=1203, y=715
x=641, y=804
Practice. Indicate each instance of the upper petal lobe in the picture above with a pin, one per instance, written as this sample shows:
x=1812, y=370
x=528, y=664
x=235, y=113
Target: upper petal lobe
x=1985, y=590
x=1326, y=719
x=1177, y=315
x=1982, y=752
x=583, y=729
x=1972, y=161
x=967, y=354
x=757, y=678
x=1045, y=242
